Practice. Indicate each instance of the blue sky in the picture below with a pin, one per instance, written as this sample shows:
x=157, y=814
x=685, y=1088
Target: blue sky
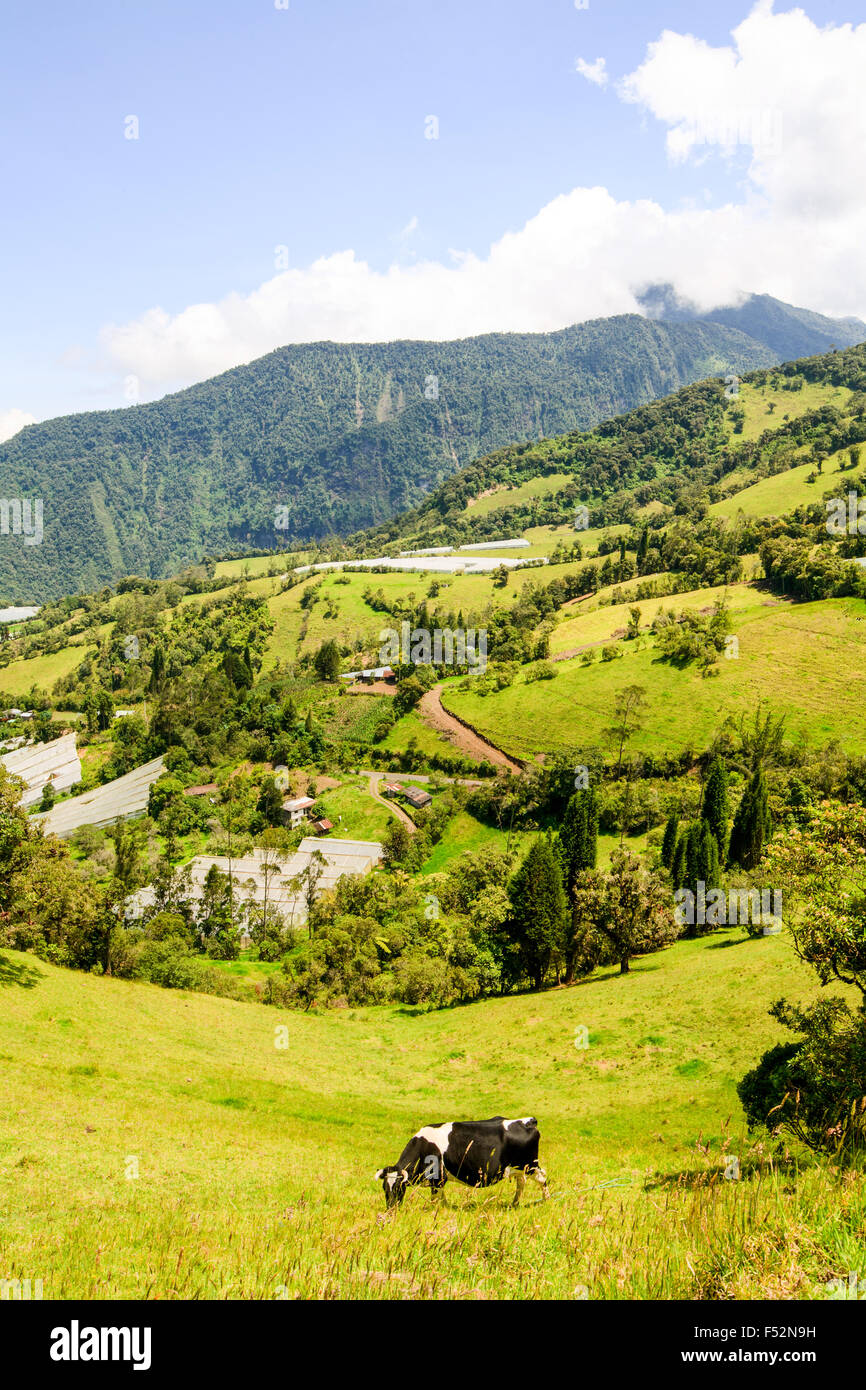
x=305, y=128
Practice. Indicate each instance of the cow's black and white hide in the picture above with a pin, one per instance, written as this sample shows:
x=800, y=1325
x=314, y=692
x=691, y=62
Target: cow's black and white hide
x=475, y=1152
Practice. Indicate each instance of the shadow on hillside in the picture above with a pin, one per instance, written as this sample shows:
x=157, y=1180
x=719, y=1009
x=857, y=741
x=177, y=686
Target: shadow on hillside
x=640, y=965
x=736, y=941
x=13, y=972
x=689, y=1178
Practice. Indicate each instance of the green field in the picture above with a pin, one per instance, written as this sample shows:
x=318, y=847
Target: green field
x=544, y=539
x=599, y=623
x=465, y=833
x=20, y=676
x=505, y=496
x=355, y=813
x=820, y=647
x=162, y=1145
x=755, y=401
x=780, y=494
x=411, y=728
x=255, y=565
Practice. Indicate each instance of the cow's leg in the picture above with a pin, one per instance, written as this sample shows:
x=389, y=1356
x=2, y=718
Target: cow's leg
x=519, y=1183
x=541, y=1177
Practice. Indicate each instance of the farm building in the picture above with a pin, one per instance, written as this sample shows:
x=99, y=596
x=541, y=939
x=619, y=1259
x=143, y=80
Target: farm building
x=374, y=673
x=17, y=615
x=39, y=763
x=417, y=797
x=295, y=810
x=281, y=877
x=122, y=799
x=464, y=563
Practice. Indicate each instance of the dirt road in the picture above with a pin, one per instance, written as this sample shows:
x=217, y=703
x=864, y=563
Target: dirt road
x=465, y=740
x=373, y=789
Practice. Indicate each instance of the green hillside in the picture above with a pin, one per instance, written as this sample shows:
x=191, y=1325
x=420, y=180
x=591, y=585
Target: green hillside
x=342, y=436
x=697, y=654
x=806, y=661
x=158, y=1144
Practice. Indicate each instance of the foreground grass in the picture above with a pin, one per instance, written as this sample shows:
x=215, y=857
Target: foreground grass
x=255, y=1161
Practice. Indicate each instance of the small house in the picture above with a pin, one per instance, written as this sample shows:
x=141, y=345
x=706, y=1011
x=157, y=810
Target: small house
x=417, y=797
x=294, y=811
x=322, y=826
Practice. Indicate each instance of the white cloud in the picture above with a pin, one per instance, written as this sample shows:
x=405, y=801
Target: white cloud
x=11, y=421
x=786, y=91
x=593, y=72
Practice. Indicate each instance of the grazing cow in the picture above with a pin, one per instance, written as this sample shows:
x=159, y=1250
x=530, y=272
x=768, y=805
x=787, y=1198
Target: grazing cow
x=475, y=1152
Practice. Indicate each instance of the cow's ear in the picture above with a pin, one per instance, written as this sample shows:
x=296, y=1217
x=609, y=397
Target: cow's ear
x=380, y=1173
x=405, y=1173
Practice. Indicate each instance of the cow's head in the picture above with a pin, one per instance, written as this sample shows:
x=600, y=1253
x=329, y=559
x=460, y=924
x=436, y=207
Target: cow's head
x=394, y=1182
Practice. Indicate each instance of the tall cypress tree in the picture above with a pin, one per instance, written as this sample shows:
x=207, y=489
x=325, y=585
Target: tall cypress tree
x=578, y=835
x=538, y=915
x=752, y=825
x=693, y=855
x=578, y=850
x=680, y=870
x=714, y=809
x=642, y=547
x=708, y=857
x=669, y=843
x=157, y=668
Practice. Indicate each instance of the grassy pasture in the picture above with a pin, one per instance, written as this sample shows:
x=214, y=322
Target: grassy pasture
x=505, y=496
x=544, y=539
x=598, y=624
x=754, y=401
x=411, y=727
x=820, y=647
x=465, y=833
x=257, y=565
x=363, y=818
x=781, y=493
x=161, y=1145
x=19, y=676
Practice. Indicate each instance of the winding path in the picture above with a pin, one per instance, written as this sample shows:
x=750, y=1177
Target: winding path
x=373, y=789
x=434, y=714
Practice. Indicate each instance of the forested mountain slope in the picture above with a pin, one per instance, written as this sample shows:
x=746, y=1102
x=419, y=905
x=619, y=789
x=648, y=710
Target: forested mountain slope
x=341, y=436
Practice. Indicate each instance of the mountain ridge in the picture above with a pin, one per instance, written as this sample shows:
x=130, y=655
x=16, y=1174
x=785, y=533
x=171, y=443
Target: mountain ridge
x=340, y=436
